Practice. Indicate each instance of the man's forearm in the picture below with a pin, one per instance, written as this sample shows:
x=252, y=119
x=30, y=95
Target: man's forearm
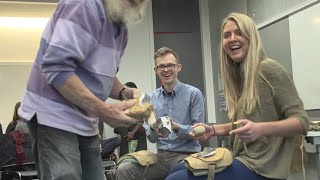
x=77, y=93
x=136, y=128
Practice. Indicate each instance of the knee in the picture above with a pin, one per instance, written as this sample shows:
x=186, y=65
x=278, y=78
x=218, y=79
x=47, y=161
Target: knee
x=180, y=174
x=171, y=177
x=126, y=168
x=118, y=140
x=63, y=174
x=68, y=175
x=177, y=167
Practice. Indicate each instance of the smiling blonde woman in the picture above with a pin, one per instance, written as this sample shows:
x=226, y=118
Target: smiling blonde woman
x=267, y=115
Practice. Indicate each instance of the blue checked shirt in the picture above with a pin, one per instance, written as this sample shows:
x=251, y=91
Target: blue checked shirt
x=185, y=106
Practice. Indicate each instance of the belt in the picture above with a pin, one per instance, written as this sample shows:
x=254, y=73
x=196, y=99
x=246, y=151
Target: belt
x=177, y=152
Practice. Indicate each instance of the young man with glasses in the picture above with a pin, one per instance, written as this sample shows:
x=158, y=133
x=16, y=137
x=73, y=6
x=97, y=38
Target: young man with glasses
x=184, y=104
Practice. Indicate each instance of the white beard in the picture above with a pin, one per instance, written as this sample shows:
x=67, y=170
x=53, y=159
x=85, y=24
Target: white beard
x=128, y=15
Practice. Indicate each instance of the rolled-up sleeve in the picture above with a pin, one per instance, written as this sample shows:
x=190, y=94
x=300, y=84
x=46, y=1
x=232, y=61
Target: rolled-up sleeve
x=286, y=96
x=197, y=112
x=151, y=135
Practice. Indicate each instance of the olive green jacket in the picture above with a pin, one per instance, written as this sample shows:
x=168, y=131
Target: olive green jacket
x=271, y=156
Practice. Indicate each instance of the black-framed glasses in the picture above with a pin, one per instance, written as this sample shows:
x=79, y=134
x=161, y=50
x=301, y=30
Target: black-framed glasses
x=169, y=66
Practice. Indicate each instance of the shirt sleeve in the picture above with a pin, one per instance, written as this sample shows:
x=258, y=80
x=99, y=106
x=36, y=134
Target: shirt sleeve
x=197, y=113
x=151, y=135
x=71, y=36
x=286, y=96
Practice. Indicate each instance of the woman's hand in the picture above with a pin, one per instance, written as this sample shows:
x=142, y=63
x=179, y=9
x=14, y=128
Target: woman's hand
x=209, y=132
x=247, y=131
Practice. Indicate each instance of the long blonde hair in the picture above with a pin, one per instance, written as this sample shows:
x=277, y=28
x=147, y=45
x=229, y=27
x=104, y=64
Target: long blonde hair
x=240, y=80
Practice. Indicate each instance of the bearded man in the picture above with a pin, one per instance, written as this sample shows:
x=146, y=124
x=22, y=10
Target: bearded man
x=73, y=74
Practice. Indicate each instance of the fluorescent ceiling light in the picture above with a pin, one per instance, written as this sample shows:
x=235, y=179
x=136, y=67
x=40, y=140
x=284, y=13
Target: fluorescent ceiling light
x=23, y=22
x=316, y=21
x=38, y=2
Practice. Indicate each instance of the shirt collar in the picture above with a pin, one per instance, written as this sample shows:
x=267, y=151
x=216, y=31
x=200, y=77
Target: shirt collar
x=176, y=89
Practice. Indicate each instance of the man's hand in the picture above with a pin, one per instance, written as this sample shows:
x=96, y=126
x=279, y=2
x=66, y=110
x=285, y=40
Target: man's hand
x=248, y=131
x=131, y=93
x=130, y=136
x=156, y=130
x=175, y=126
x=113, y=114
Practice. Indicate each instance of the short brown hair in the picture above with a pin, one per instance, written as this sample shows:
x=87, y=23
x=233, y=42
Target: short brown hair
x=164, y=51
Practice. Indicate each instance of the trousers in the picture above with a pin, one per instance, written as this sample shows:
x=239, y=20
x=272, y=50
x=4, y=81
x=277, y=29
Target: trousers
x=62, y=155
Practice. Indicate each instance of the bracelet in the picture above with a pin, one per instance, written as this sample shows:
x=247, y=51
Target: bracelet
x=214, y=130
x=121, y=93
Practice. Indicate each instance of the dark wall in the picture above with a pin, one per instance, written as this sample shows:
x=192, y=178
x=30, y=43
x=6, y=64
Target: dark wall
x=177, y=25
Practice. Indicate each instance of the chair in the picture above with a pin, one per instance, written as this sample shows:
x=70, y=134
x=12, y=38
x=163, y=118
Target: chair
x=28, y=171
x=109, y=169
x=19, y=171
